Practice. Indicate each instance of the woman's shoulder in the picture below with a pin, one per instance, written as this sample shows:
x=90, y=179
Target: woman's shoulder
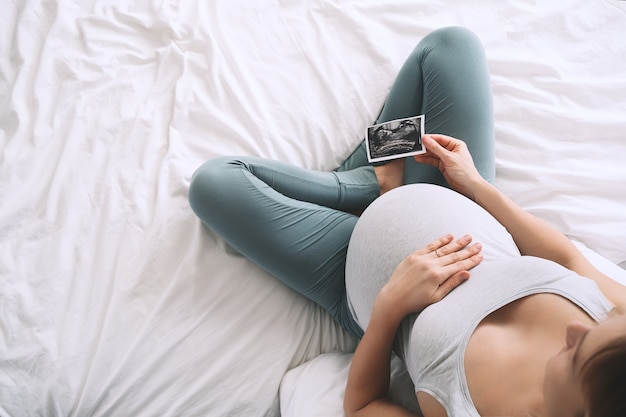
x=442, y=331
x=510, y=347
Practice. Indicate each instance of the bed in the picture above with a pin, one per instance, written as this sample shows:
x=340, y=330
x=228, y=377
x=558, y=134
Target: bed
x=116, y=301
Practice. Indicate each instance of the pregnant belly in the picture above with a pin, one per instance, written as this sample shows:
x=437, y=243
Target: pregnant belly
x=406, y=219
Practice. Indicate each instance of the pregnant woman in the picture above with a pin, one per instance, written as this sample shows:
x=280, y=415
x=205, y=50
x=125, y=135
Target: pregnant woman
x=533, y=332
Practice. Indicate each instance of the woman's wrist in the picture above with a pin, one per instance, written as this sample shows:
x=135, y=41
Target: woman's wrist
x=478, y=186
x=388, y=309
x=482, y=191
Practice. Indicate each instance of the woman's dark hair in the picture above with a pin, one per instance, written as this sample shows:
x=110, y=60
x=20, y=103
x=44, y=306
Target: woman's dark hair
x=604, y=380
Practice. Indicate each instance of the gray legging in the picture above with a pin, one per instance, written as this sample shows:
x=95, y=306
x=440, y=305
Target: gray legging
x=295, y=223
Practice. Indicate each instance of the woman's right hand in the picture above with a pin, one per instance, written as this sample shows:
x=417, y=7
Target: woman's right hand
x=453, y=159
x=429, y=274
x=423, y=278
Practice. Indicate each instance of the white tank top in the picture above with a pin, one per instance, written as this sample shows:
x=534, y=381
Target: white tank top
x=433, y=344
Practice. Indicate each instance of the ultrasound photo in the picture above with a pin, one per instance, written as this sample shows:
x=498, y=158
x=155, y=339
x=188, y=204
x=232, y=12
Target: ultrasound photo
x=395, y=139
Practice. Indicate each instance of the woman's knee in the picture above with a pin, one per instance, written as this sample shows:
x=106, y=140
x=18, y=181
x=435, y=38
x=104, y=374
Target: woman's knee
x=453, y=37
x=448, y=50
x=210, y=181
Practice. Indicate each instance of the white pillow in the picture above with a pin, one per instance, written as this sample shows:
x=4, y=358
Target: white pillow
x=618, y=273
x=316, y=388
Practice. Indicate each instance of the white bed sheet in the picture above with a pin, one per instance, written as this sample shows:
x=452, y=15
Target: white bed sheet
x=114, y=300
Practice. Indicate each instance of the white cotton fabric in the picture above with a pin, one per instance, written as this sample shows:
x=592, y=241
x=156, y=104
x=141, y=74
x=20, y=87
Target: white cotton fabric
x=114, y=300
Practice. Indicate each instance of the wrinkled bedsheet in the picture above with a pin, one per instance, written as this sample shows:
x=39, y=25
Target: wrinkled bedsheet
x=116, y=301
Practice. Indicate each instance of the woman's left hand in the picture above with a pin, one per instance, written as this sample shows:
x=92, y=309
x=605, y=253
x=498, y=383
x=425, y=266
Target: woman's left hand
x=429, y=274
x=452, y=157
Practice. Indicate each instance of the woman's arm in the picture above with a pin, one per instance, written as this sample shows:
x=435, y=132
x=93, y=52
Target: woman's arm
x=423, y=278
x=532, y=235
x=368, y=382
x=536, y=237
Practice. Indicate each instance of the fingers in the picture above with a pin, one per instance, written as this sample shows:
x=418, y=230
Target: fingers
x=436, y=148
x=448, y=246
x=450, y=284
x=431, y=144
x=455, y=256
x=467, y=259
x=437, y=142
x=437, y=244
x=430, y=157
x=456, y=273
x=461, y=254
x=429, y=274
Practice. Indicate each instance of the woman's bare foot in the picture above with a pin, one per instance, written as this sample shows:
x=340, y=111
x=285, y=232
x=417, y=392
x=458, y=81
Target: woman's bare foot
x=390, y=175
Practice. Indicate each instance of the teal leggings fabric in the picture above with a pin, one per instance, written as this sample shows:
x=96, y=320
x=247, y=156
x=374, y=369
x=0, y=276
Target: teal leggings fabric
x=296, y=223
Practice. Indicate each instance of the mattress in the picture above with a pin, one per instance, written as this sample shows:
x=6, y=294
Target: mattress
x=116, y=301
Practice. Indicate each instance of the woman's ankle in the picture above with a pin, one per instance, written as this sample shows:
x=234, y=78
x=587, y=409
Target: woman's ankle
x=390, y=175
